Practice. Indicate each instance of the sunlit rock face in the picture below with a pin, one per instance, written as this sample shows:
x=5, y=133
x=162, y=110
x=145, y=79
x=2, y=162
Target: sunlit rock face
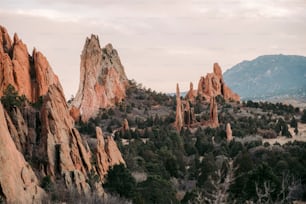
x=103, y=81
x=30, y=75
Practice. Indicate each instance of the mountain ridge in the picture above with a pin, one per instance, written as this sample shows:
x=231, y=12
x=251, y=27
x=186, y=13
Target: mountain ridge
x=269, y=76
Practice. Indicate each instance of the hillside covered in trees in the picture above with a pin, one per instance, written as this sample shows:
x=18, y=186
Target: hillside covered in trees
x=268, y=77
x=199, y=164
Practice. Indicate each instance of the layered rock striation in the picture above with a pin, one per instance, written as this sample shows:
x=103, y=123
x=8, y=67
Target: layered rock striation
x=103, y=81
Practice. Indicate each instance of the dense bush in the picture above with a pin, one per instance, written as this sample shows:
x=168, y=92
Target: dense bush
x=11, y=98
x=119, y=180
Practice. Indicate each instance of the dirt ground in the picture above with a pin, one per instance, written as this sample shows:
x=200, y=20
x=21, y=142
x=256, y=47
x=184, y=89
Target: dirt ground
x=301, y=136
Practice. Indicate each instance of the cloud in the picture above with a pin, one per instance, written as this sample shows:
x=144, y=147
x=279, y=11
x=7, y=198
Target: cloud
x=160, y=42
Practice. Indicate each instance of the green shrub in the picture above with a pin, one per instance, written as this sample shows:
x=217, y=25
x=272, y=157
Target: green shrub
x=11, y=98
x=119, y=180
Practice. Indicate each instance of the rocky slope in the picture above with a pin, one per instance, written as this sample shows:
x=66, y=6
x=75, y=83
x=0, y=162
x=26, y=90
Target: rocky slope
x=268, y=77
x=103, y=81
x=43, y=132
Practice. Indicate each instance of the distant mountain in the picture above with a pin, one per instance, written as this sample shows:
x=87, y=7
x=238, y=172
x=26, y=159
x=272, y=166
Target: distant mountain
x=269, y=77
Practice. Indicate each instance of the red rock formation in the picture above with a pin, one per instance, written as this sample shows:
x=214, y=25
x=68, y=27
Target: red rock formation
x=75, y=113
x=229, y=94
x=179, y=122
x=184, y=113
x=214, y=122
x=46, y=133
x=18, y=182
x=229, y=135
x=103, y=81
x=59, y=137
x=113, y=152
x=191, y=94
x=30, y=75
x=213, y=85
x=185, y=116
x=107, y=153
x=125, y=125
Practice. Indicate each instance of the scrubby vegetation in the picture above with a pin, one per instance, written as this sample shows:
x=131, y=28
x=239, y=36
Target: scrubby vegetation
x=198, y=165
x=11, y=98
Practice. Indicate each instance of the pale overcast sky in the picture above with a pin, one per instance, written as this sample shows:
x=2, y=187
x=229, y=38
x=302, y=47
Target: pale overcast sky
x=160, y=42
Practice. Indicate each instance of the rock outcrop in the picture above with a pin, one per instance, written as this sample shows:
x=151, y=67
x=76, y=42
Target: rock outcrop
x=103, y=81
x=185, y=116
x=229, y=134
x=61, y=144
x=30, y=75
x=213, y=119
x=107, y=153
x=18, y=183
x=179, y=123
x=125, y=125
x=191, y=94
x=44, y=133
x=211, y=86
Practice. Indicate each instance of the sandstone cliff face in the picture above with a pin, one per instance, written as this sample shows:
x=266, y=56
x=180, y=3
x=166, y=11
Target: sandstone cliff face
x=18, y=183
x=103, y=81
x=213, y=85
x=61, y=143
x=107, y=153
x=30, y=75
x=45, y=134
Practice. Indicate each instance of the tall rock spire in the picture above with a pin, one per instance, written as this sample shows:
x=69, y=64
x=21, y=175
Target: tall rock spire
x=179, y=118
x=103, y=81
x=214, y=122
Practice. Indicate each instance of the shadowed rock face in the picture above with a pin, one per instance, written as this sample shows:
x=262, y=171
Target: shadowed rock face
x=18, y=183
x=30, y=75
x=103, y=81
x=211, y=86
